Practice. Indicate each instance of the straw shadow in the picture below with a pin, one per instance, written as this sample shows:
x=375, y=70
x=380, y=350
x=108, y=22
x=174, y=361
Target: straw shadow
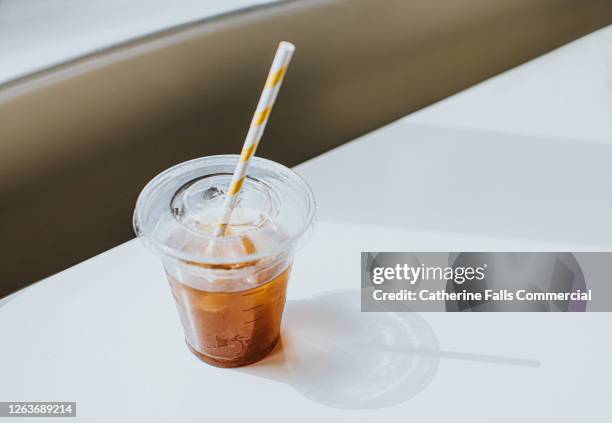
x=335, y=355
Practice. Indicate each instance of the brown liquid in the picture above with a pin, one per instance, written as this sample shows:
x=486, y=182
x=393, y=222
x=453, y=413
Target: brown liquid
x=232, y=329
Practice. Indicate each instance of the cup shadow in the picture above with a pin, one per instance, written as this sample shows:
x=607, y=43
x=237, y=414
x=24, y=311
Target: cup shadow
x=335, y=355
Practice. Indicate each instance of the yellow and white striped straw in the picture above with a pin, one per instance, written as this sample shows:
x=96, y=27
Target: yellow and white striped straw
x=258, y=124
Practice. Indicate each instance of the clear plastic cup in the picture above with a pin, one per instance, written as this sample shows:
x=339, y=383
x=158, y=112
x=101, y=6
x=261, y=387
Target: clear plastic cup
x=230, y=290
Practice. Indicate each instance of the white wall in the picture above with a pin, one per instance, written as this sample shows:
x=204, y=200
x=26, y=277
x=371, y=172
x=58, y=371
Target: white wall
x=36, y=34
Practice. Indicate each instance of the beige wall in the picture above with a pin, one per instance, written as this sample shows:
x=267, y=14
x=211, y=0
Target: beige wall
x=78, y=142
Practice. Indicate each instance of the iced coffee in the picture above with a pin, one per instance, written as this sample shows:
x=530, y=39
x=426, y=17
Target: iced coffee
x=229, y=291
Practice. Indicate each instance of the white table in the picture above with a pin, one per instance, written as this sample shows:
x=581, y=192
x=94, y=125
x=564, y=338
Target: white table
x=520, y=162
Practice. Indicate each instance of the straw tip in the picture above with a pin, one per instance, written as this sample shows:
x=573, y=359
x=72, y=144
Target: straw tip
x=286, y=45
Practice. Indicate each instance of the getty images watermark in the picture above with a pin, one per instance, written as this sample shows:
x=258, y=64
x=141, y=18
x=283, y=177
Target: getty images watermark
x=486, y=281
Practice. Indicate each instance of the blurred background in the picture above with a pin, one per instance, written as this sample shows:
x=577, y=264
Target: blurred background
x=98, y=97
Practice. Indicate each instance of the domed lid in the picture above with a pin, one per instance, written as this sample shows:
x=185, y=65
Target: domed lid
x=177, y=212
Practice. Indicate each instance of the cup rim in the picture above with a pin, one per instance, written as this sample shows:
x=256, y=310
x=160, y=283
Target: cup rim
x=290, y=243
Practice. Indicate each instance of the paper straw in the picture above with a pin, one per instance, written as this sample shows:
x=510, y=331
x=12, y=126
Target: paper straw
x=258, y=124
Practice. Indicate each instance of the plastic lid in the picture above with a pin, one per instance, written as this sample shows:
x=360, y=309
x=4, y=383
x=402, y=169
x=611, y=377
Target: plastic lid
x=177, y=211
